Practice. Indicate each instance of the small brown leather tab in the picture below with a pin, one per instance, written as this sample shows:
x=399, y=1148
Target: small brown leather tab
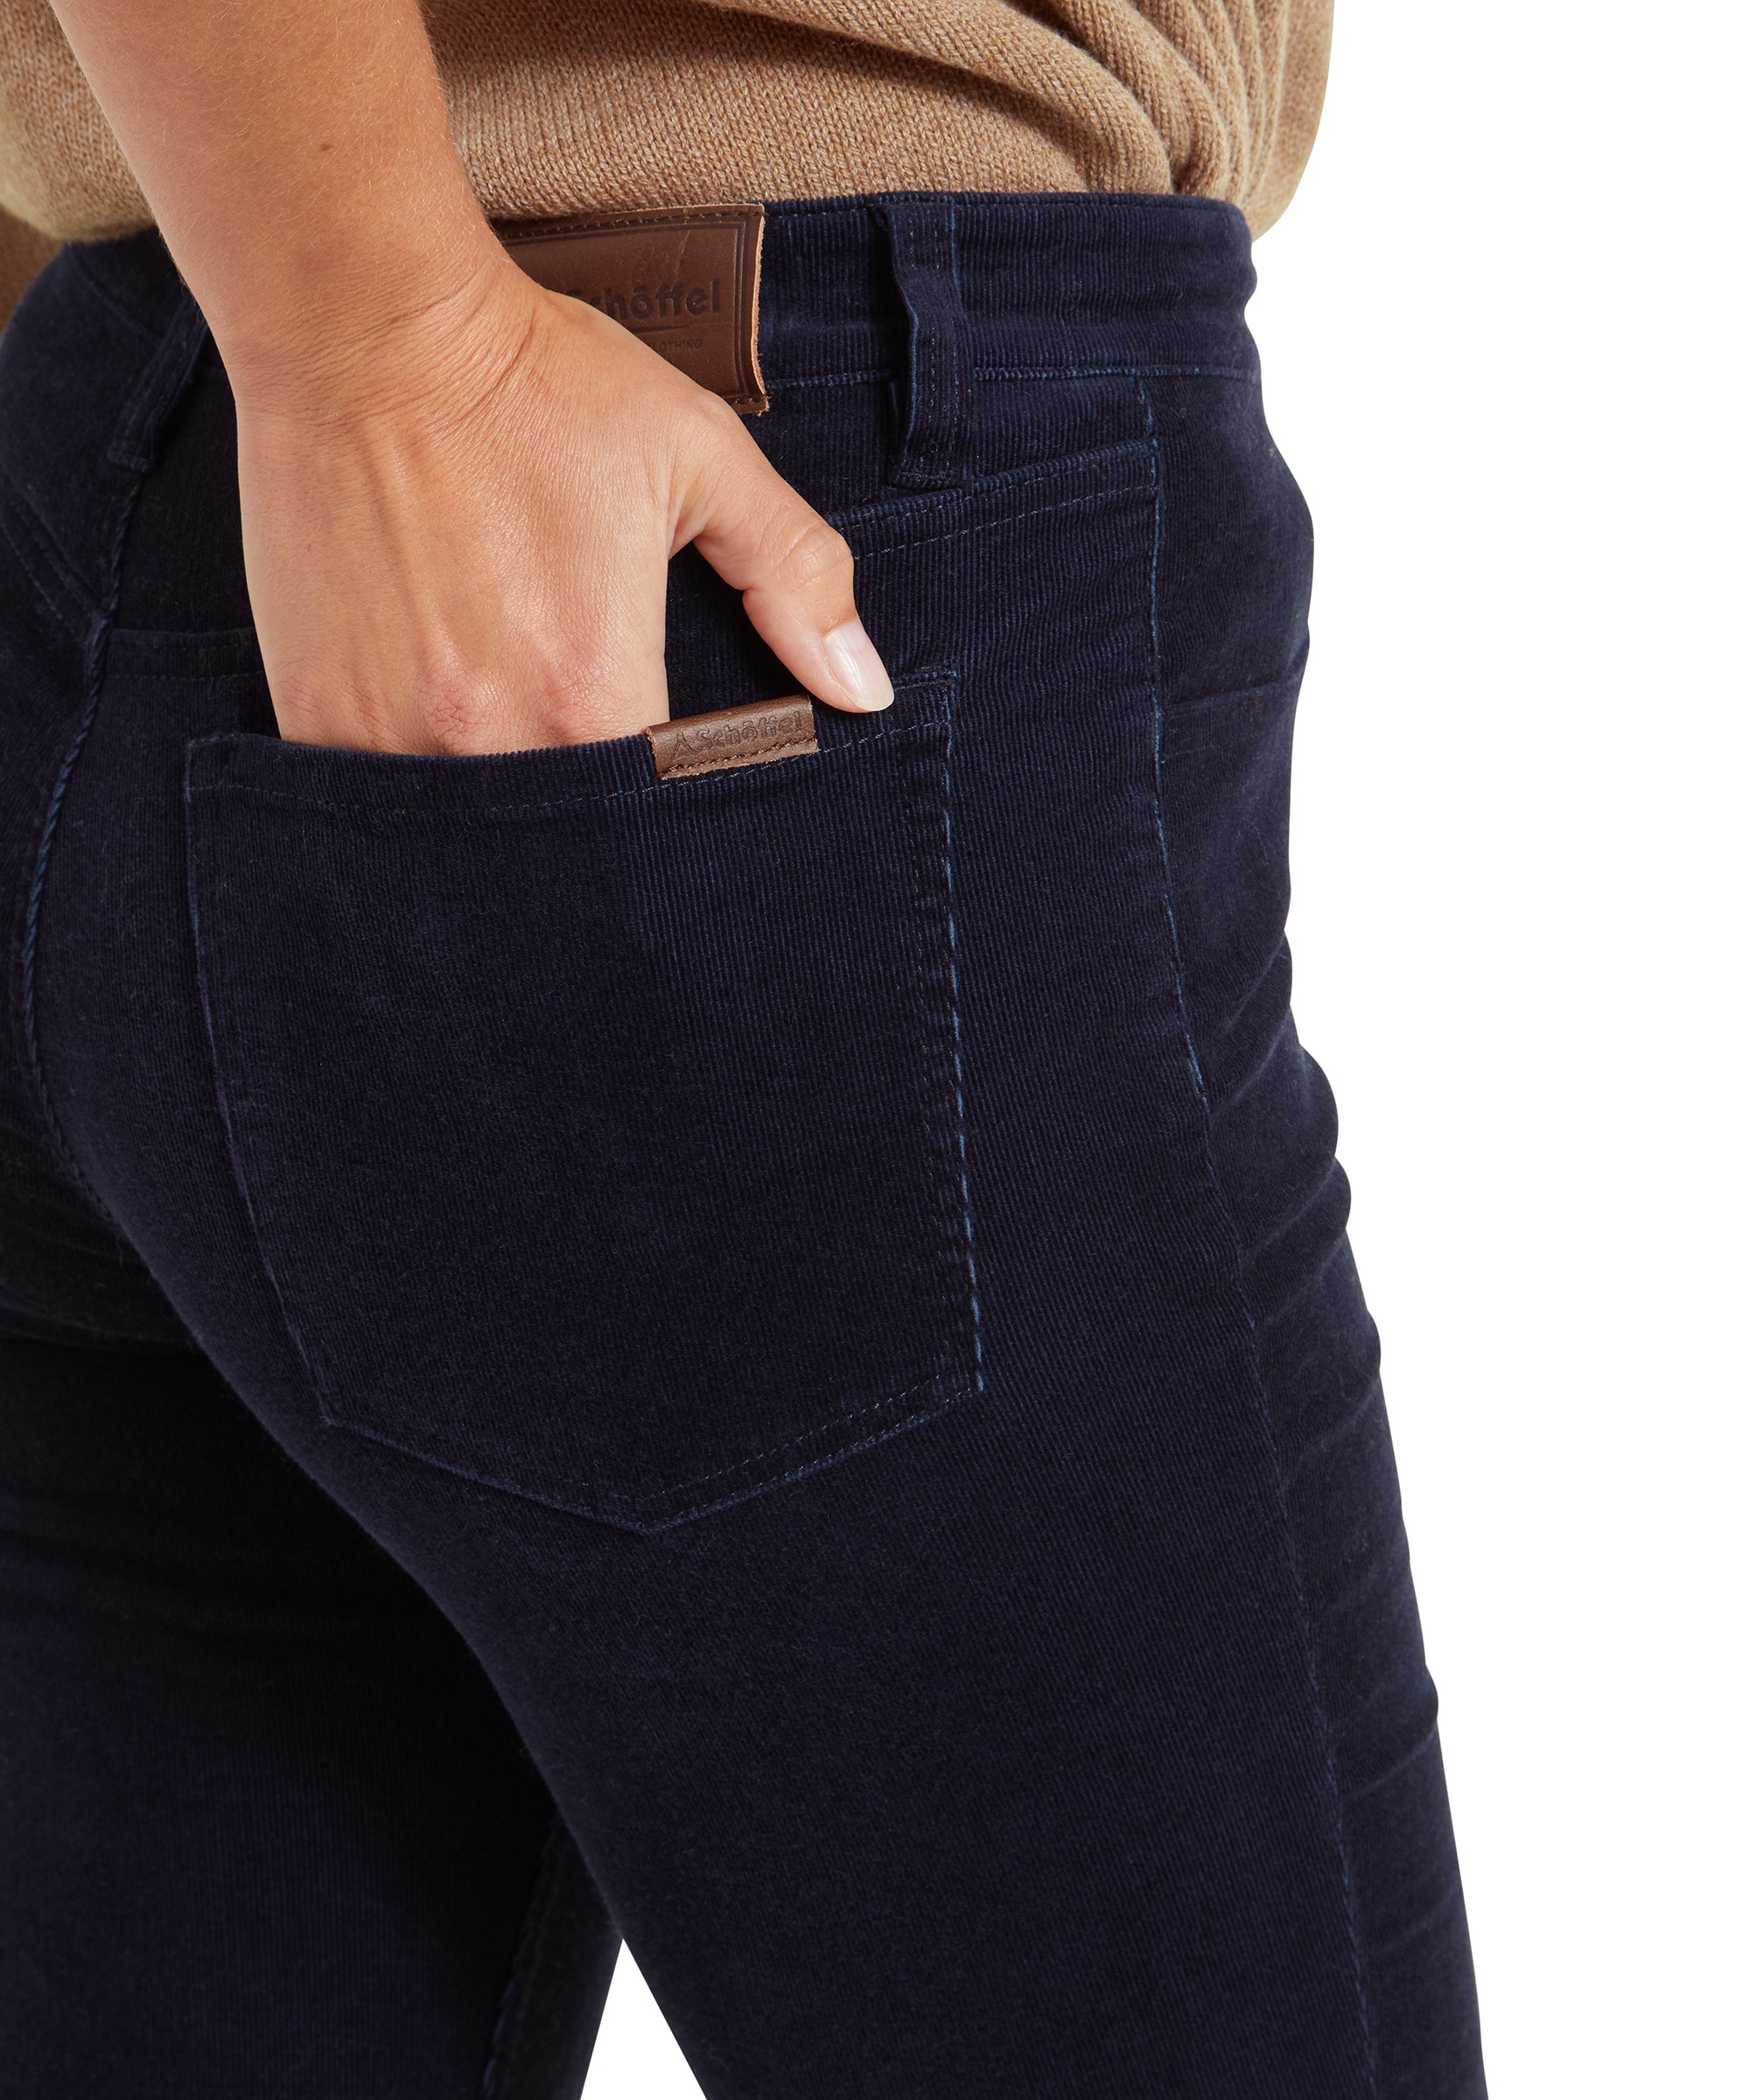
x=686, y=281
x=733, y=736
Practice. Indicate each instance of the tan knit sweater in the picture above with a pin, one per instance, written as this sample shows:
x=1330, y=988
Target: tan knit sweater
x=560, y=105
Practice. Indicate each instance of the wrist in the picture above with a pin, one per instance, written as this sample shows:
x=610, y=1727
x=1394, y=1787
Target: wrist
x=354, y=331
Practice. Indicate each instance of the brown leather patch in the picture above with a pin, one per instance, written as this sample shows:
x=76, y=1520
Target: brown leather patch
x=733, y=736
x=686, y=281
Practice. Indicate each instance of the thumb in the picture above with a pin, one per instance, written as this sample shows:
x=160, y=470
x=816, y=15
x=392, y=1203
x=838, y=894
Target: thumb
x=792, y=570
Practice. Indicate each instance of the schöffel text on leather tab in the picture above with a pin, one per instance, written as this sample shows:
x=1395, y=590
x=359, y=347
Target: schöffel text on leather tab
x=686, y=281
x=733, y=736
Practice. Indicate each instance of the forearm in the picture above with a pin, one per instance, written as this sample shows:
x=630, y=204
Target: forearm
x=299, y=160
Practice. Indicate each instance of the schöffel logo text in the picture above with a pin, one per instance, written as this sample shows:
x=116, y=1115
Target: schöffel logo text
x=734, y=735
x=728, y=736
x=643, y=305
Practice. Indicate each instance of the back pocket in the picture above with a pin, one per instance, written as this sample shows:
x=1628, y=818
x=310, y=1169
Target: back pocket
x=601, y=1134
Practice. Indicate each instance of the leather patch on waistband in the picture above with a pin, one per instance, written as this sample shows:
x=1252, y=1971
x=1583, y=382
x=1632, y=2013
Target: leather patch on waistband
x=733, y=736
x=686, y=281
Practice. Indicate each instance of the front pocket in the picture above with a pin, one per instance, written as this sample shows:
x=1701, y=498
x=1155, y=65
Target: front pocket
x=602, y=1136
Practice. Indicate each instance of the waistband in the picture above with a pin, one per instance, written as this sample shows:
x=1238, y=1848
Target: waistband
x=1036, y=286
x=944, y=296
x=1040, y=286
x=937, y=296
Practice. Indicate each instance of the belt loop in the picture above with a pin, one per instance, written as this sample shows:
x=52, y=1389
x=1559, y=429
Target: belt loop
x=935, y=403
x=159, y=388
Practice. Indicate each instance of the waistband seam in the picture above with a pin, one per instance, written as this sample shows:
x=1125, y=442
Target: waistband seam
x=884, y=374
x=1142, y=202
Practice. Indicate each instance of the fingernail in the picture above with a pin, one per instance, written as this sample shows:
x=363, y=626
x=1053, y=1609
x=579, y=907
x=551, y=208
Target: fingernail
x=861, y=673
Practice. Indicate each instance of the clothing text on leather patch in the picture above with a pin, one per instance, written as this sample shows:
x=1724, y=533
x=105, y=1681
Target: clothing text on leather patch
x=733, y=736
x=686, y=281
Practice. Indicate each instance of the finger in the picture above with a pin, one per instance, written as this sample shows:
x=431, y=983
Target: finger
x=794, y=571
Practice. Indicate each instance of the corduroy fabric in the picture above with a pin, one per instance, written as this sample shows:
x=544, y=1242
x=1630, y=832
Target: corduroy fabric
x=528, y=1144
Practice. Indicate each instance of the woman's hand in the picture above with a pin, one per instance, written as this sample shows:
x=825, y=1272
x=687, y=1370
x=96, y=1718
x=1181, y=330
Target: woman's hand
x=457, y=535
x=460, y=492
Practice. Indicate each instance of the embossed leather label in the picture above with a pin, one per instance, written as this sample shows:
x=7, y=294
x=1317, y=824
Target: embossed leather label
x=733, y=736
x=686, y=281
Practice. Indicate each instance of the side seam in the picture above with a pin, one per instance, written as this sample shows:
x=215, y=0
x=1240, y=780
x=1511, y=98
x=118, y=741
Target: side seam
x=1254, y=1356
x=132, y=450
x=499, y=2079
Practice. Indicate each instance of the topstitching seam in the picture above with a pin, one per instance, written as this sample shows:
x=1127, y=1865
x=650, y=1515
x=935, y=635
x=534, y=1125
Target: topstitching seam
x=93, y=667
x=1013, y=517
x=659, y=1506
x=881, y=375
x=958, y=1061
x=514, y=2000
x=43, y=546
x=157, y=388
x=1254, y=1355
x=1073, y=467
x=608, y=1507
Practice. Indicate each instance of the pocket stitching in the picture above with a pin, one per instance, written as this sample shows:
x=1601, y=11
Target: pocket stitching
x=872, y=517
x=647, y=1509
x=1017, y=517
x=948, y=1383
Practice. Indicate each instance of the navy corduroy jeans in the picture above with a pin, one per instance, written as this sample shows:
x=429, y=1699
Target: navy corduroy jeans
x=764, y=1362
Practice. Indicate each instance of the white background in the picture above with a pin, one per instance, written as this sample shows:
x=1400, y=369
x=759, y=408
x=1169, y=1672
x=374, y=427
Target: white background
x=1504, y=335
